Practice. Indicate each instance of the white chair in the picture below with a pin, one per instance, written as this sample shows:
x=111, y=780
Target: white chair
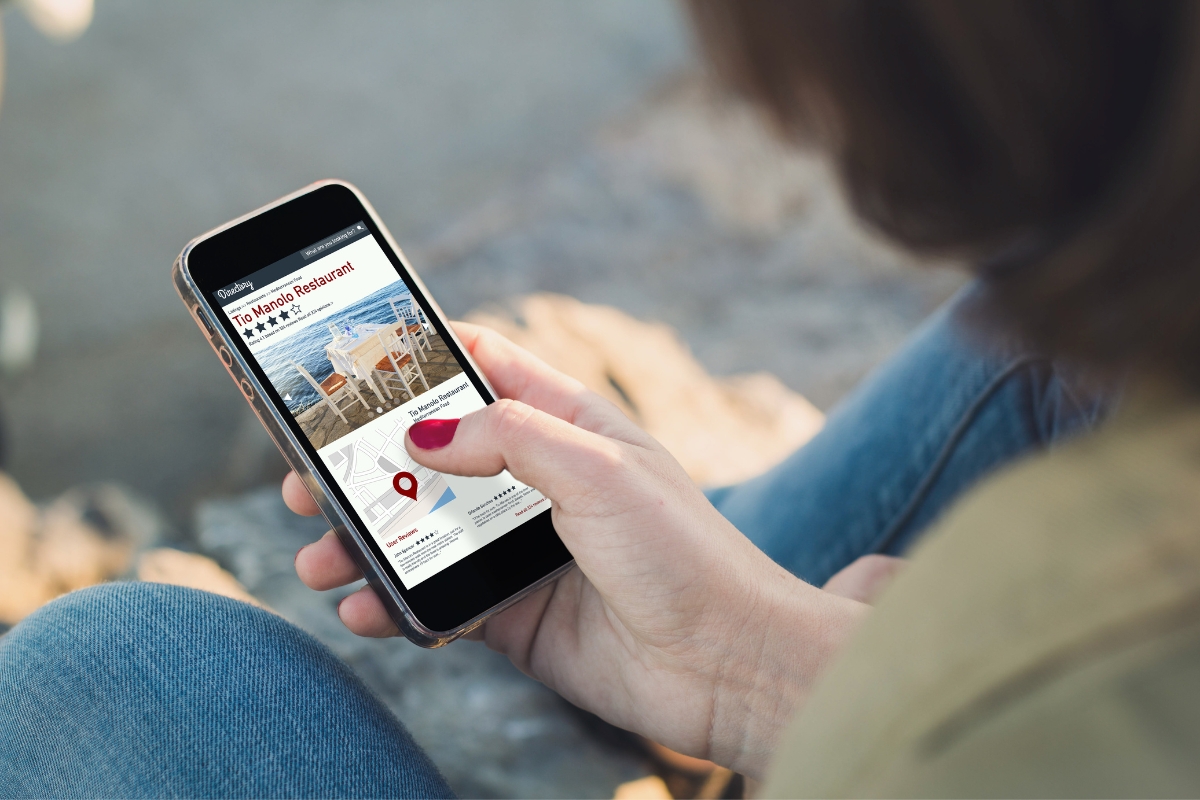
x=412, y=318
x=409, y=341
x=412, y=310
x=333, y=390
x=419, y=313
x=398, y=364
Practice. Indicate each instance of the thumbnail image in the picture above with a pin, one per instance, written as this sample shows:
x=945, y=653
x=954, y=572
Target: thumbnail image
x=338, y=374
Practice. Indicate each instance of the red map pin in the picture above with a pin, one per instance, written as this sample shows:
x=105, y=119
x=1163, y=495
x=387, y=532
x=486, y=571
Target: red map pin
x=398, y=484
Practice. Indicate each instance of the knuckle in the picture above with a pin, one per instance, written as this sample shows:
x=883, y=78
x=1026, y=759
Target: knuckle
x=490, y=335
x=606, y=456
x=509, y=421
x=489, y=340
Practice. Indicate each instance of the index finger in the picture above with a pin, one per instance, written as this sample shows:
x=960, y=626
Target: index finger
x=518, y=374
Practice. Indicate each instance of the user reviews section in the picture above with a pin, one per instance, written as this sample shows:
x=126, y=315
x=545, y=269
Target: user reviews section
x=423, y=520
x=356, y=362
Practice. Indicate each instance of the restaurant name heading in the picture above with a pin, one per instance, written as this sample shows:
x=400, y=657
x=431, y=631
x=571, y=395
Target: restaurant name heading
x=289, y=295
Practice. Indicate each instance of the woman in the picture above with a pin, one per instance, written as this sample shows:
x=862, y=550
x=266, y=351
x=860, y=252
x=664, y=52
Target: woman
x=1045, y=639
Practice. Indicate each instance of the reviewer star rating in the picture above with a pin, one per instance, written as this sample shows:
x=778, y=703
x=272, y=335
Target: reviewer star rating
x=507, y=491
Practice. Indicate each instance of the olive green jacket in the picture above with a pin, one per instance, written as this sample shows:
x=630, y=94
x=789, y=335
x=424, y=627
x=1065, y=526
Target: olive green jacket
x=1045, y=639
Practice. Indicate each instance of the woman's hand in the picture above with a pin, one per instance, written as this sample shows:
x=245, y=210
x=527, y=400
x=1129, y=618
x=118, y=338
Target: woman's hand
x=674, y=625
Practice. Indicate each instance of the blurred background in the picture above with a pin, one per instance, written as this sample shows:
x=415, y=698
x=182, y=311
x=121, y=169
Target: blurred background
x=516, y=147
x=166, y=119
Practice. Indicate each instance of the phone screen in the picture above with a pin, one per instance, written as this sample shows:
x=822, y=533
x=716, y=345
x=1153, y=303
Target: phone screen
x=356, y=360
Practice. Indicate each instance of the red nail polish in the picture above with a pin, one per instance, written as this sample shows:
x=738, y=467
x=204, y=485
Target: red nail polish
x=431, y=434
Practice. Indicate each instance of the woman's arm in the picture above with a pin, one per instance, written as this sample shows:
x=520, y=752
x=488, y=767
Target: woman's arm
x=674, y=625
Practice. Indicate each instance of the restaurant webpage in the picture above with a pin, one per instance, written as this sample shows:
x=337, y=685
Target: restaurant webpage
x=356, y=361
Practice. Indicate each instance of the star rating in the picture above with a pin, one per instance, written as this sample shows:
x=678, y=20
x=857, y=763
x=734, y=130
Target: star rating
x=273, y=321
x=247, y=333
x=509, y=490
x=295, y=308
x=284, y=315
x=260, y=327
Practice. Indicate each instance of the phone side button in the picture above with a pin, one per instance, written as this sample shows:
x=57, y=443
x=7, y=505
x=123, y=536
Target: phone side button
x=247, y=389
x=202, y=322
x=226, y=357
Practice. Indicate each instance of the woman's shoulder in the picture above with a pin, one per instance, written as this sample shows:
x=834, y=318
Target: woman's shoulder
x=1002, y=660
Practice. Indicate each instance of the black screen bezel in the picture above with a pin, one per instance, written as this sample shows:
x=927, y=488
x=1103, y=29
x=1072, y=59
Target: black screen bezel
x=474, y=584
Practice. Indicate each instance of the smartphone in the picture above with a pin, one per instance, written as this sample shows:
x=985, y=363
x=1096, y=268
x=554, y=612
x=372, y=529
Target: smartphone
x=338, y=347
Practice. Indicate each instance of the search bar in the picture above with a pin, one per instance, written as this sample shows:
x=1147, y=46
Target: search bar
x=333, y=242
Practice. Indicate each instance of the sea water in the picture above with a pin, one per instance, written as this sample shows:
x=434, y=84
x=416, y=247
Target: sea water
x=307, y=346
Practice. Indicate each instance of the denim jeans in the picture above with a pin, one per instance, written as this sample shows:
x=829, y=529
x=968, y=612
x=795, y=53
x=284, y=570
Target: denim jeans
x=918, y=432
x=132, y=690
x=147, y=690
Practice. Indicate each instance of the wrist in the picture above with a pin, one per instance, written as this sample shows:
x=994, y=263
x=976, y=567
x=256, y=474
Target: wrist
x=793, y=630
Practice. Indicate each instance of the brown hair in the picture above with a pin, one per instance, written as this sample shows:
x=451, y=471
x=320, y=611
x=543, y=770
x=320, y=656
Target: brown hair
x=1055, y=144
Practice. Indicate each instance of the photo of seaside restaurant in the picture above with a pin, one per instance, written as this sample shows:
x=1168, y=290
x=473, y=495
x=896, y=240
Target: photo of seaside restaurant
x=373, y=369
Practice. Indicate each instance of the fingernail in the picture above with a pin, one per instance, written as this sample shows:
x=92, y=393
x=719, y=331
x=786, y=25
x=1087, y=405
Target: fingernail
x=431, y=434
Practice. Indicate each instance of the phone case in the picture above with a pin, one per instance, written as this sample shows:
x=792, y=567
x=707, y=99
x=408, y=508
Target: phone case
x=352, y=539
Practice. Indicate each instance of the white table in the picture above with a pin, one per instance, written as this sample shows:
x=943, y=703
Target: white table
x=357, y=355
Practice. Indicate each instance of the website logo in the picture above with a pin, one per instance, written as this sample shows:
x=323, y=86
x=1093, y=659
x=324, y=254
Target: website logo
x=225, y=294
